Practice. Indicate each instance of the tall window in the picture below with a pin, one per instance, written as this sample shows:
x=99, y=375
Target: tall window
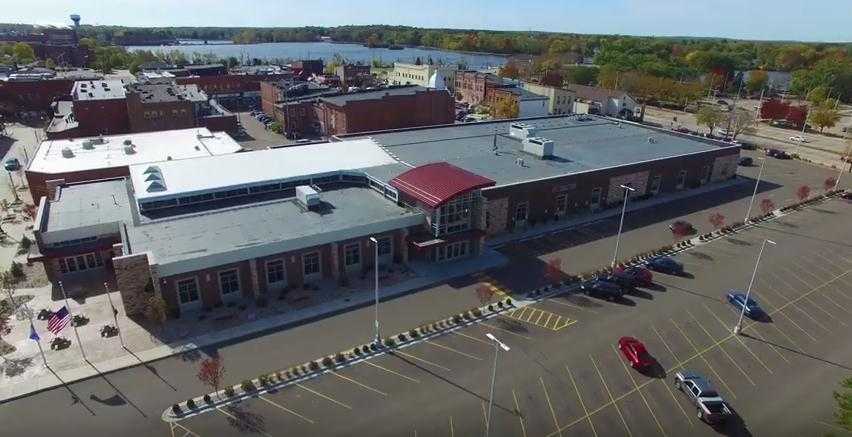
x=385, y=246
x=187, y=290
x=707, y=173
x=454, y=216
x=596, y=197
x=656, y=182
x=681, y=179
x=522, y=211
x=229, y=282
x=352, y=254
x=275, y=271
x=561, y=203
x=311, y=263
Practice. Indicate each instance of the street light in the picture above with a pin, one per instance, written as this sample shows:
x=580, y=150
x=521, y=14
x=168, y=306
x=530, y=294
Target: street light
x=738, y=328
x=376, y=287
x=497, y=346
x=754, y=194
x=627, y=190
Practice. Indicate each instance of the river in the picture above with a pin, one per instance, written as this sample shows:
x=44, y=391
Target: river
x=326, y=51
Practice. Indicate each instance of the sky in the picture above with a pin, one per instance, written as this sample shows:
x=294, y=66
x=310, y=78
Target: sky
x=802, y=20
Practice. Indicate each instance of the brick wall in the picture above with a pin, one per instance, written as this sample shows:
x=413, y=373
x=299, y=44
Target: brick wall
x=37, y=182
x=156, y=116
x=101, y=117
x=390, y=112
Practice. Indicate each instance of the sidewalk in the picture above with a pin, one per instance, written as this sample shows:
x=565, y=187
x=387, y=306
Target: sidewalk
x=561, y=225
x=23, y=372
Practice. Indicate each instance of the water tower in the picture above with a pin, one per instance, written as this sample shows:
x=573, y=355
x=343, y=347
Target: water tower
x=76, y=19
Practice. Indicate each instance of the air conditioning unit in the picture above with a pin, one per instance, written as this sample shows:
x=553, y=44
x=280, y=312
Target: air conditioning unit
x=538, y=146
x=307, y=196
x=89, y=144
x=67, y=152
x=522, y=130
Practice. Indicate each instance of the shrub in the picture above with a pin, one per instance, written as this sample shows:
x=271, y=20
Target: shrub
x=389, y=342
x=190, y=404
x=490, y=307
x=24, y=245
x=16, y=270
x=340, y=358
x=466, y=315
x=413, y=333
x=208, y=399
x=374, y=347
x=500, y=304
x=229, y=391
x=509, y=301
x=457, y=318
x=264, y=380
x=284, y=375
x=247, y=386
x=357, y=350
x=402, y=337
x=175, y=409
x=327, y=362
x=314, y=366
x=477, y=312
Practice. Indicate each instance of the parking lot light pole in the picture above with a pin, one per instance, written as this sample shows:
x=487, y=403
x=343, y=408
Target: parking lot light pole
x=738, y=327
x=497, y=346
x=754, y=194
x=627, y=191
x=376, y=286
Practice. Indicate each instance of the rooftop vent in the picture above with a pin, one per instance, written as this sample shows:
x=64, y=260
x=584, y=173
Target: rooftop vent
x=307, y=196
x=538, y=146
x=652, y=140
x=67, y=152
x=522, y=130
x=129, y=148
x=89, y=144
x=155, y=179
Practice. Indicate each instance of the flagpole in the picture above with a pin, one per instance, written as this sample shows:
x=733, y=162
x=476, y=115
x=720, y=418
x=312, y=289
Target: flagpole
x=71, y=314
x=114, y=315
x=37, y=337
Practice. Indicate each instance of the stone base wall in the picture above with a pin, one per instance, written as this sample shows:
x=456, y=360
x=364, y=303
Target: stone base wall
x=132, y=278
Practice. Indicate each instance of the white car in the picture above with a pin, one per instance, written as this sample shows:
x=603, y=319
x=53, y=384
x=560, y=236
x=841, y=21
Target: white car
x=799, y=139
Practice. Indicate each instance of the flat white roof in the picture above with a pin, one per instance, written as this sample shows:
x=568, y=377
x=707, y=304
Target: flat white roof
x=148, y=147
x=202, y=175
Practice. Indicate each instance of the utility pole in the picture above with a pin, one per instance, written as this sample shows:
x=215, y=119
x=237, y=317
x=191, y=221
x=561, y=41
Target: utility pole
x=754, y=194
x=497, y=346
x=375, y=242
x=627, y=190
x=738, y=328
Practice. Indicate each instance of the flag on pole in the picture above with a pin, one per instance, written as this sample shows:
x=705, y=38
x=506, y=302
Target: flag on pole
x=33, y=333
x=59, y=320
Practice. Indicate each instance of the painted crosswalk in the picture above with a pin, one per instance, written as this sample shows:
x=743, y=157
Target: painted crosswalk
x=541, y=318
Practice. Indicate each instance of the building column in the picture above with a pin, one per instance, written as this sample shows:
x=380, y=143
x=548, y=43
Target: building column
x=255, y=282
x=335, y=260
x=403, y=246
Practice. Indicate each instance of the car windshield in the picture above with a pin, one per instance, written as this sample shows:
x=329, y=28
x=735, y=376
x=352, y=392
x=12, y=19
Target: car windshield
x=709, y=394
x=715, y=406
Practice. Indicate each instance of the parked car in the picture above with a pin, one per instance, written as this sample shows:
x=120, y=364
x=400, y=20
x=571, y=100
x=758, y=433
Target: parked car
x=665, y=264
x=711, y=407
x=745, y=145
x=635, y=353
x=799, y=139
x=683, y=130
x=746, y=161
x=782, y=124
x=777, y=154
x=633, y=277
x=847, y=195
x=752, y=309
x=602, y=288
x=682, y=227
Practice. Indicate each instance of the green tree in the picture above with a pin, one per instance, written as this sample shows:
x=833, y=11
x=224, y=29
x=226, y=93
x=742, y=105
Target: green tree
x=510, y=70
x=23, y=53
x=709, y=116
x=506, y=108
x=742, y=121
x=843, y=398
x=757, y=80
x=581, y=75
x=824, y=115
x=818, y=95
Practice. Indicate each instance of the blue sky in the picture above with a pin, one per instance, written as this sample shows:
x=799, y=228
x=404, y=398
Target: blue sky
x=807, y=20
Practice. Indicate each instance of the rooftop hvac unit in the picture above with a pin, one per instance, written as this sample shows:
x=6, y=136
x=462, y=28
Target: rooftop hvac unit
x=522, y=130
x=88, y=144
x=538, y=146
x=129, y=148
x=67, y=152
x=307, y=196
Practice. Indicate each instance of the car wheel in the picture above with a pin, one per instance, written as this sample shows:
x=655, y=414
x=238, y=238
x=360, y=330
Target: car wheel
x=700, y=414
x=677, y=384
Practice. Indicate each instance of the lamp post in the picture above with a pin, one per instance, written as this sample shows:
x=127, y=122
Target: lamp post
x=738, y=328
x=627, y=190
x=754, y=194
x=378, y=339
x=497, y=346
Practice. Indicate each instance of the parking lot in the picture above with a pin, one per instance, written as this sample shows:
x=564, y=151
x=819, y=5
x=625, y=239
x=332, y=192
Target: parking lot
x=566, y=377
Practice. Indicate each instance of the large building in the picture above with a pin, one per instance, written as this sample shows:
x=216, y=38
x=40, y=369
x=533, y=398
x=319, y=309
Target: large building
x=33, y=91
x=87, y=159
x=529, y=104
x=597, y=100
x=560, y=100
x=96, y=107
x=204, y=232
x=471, y=86
x=425, y=75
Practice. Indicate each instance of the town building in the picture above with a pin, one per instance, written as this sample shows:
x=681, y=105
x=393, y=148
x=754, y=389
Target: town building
x=597, y=100
x=167, y=106
x=425, y=75
x=355, y=76
x=471, y=86
x=559, y=100
x=529, y=104
x=30, y=92
x=306, y=68
x=95, y=108
x=88, y=159
x=211, y=231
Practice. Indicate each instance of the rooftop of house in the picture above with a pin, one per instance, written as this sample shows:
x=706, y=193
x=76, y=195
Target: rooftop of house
x=581, y=144
x=595, y=93
x=204, y=240
x=523, y=95
x=83, y=154
x=403, y=90
x=88, y=204
x=98, y=90
x=166, y=92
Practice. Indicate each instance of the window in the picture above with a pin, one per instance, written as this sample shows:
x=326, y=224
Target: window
x=561, y=203
x=63, y=266
x=596, y=197
x=90, y=260
x=450, y=251
x=187, y=291
x=656, y=182
x=454, y=216
x=707, y=173
x=275, y=271
x=352, y=254
x=81, y=262
x=72, y=264
x=311, y=263
x=521, y=212
x=229, y=282
x=681, y=179
x=385, y=246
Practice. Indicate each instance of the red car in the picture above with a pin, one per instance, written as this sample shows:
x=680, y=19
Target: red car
x=634, y=351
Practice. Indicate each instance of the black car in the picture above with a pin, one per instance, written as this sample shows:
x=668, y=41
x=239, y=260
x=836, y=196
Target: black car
x=778, y=154
x=603, y=288
x=665, y=264
x=746, y=161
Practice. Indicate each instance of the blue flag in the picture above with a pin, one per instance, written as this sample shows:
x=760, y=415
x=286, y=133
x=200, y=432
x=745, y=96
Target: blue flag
x=33, y=333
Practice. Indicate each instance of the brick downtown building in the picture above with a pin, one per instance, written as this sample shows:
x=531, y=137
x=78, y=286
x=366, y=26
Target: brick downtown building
x=202, y=232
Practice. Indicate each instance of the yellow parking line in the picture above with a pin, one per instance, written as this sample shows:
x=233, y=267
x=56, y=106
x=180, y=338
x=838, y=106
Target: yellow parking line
x=358, y=383
x=806, y=262
x=834, y=302
x=547, y=322
x=252, y=426
x=580, y=398
x=772, y=346
x=326, y=397
x=608, y=392
x=642, y=395
x=392, y=372
x=566, y=323
x=520, y=415
x=576, y=307
x=549, y=405
x=721, y=348
x=285, y=409
x=819, y=307
x=740, y=341
x=505, y=330
x=464, y=354
x=413, y=357
x=703, y=358
x=541, y=314
x=674, y=399
x=556, y=322
x=826, y=259
x=677, y=360
x=484, y=414
x=798, y=327
x=812, y=319
x=790, y=339
x=188, y=431
x=532, y=313
x=452, y=429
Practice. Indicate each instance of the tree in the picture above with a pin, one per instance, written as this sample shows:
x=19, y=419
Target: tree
x=581, y=75
x=506, y=108
x=155, y=309
x=49, y=63
x=824, y=115
x=709, y=116
x=510, y=70
x=803, y=192
x=829, y=183
x=818, y=95
x=757, y=80
x=211, y=371
x=484, y=293
x=742, y=122
x=717, y=220
x=843, y=414
x=23, y=53
x=767, y=206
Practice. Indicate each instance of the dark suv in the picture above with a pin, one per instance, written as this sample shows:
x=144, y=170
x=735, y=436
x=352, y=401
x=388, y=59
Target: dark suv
x=603, y=288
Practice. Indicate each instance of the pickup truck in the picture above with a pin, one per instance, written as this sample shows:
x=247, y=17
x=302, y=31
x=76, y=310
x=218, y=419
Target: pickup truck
x=711, y=407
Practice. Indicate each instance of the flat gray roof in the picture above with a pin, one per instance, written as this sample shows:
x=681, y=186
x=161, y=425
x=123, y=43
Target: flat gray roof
x=343, y=99
x=580, y=146
x=214, y=238
x=89, y=204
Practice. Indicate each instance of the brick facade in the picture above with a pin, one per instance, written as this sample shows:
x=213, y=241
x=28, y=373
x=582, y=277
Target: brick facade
x=426, y=108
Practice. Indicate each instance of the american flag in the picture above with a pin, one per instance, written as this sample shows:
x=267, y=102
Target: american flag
x=58, y=320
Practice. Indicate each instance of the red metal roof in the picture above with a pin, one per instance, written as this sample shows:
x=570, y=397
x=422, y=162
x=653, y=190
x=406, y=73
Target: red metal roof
x=435, y=184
